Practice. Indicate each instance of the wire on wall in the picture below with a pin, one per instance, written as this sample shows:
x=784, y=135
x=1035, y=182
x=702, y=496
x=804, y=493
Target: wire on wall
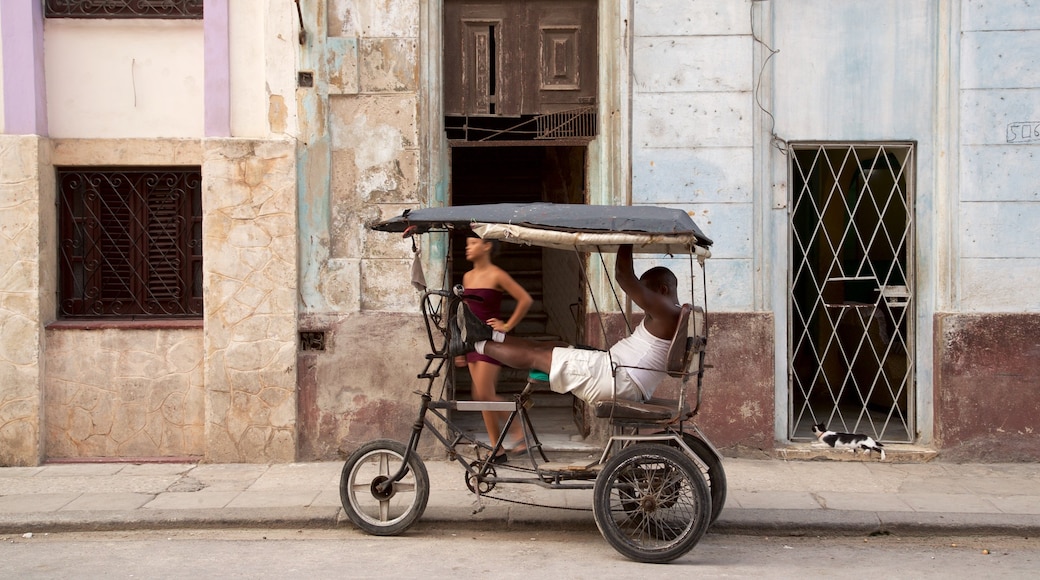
x=777, y=141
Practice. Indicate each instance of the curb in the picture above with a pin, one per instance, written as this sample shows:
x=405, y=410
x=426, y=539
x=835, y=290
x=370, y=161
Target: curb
x=735, y=521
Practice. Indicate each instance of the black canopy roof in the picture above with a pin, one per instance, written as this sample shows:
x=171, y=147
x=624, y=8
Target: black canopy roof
x=635, y=219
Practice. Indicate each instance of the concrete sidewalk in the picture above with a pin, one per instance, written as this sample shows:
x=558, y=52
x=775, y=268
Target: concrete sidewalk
x=765, y=497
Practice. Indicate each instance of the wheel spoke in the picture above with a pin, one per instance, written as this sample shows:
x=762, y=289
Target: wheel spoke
x=366, y=499
x=656, y=503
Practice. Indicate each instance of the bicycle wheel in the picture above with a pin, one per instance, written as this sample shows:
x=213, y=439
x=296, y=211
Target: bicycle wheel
x=716, y=476
x=383, y=513
x=651, y=503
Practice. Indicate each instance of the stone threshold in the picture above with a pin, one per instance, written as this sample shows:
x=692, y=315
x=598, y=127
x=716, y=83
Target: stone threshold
x=894, y=453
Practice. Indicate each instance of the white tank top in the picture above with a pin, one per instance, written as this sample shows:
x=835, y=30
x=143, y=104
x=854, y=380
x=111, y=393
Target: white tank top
x=645, y=351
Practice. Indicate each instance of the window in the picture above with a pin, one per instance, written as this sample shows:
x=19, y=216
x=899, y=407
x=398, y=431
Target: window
x=186, y=9
x=131, y=242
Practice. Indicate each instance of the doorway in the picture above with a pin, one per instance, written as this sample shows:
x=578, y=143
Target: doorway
x=519, y=92
x=525, y=174
x=851, y=293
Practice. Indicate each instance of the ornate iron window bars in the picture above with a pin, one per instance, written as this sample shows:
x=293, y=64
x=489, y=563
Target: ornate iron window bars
x=130, y=242
x=179, y=9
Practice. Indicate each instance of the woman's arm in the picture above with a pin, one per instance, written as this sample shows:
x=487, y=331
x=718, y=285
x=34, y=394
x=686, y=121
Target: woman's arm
x=523, y=302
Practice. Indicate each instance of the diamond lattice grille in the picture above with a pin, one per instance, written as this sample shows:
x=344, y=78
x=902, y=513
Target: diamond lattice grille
x=851, y=293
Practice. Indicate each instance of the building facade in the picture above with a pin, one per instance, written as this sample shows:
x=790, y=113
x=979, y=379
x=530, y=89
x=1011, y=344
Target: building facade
x=866, y=170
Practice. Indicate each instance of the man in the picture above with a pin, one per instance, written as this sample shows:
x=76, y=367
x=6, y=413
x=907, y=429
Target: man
x=640, y=359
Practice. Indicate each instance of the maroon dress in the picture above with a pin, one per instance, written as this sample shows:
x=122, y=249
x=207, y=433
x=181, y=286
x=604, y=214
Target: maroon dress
x=489, y=307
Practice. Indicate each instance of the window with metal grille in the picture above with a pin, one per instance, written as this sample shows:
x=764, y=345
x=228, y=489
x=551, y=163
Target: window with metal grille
x=131, y=242
x=167, y=9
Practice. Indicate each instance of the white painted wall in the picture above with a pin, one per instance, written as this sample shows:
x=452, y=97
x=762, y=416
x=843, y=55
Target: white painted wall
x=998, y=212
x=2, y=124
x=263, y=53
x=124, y=78
x=248, y=92
x=692, y=132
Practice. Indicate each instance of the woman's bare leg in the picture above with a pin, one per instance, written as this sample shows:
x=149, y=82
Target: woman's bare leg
x=485, y=378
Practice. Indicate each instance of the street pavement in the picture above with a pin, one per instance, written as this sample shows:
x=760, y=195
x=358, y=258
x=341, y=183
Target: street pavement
x=765, y=496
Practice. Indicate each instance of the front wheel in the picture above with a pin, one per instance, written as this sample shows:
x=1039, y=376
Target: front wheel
x=378, y=511
x=651, y=503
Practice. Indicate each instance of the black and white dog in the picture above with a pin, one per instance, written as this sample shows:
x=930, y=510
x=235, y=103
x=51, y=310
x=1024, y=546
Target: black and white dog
x=850, y=441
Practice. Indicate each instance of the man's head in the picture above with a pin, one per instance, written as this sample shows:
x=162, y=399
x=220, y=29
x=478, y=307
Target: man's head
x=661, y=280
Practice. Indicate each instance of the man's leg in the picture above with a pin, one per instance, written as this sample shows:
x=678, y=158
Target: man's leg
x=521, y=353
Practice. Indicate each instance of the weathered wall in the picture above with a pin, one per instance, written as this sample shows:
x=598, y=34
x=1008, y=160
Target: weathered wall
x=117, y=389
x=360, y=162
x=692, y=131
x=121, y=392
x=26, y=293
x=250, y=280
x=737, y=410
x=361, y=387
x=997, y=217
x=989, y=399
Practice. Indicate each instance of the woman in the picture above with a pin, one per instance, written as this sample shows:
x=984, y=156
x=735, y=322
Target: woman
x=488, y=281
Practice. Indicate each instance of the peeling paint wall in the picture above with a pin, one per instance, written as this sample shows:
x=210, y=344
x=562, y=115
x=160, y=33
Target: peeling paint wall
x=359, y=161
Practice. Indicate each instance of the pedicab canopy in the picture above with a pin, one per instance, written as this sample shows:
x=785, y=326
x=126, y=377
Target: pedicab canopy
x=589, y=228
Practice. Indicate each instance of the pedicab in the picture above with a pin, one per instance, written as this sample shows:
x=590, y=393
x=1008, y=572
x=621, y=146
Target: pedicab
x=658, y=483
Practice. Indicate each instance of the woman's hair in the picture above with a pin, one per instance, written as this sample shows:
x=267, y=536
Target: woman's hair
x=495, y=246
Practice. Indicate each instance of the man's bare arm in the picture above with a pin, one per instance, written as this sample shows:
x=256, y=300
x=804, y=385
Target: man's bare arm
x=653, y=303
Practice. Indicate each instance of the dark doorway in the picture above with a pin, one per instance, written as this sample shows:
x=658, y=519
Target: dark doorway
x=523, y=175
x=519, y=104
x=852, y=289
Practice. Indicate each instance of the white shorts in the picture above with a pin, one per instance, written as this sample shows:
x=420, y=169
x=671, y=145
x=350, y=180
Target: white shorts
x=587, y=375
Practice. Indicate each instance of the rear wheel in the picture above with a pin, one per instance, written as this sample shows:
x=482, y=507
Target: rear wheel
x=651, y=502
x=383, y=512
x=715, y=475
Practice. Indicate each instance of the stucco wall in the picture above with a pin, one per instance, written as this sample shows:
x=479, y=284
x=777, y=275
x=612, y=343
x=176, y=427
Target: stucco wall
x=26, y=292
x=122, y=392
x=116, y=390
x=250, y=280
